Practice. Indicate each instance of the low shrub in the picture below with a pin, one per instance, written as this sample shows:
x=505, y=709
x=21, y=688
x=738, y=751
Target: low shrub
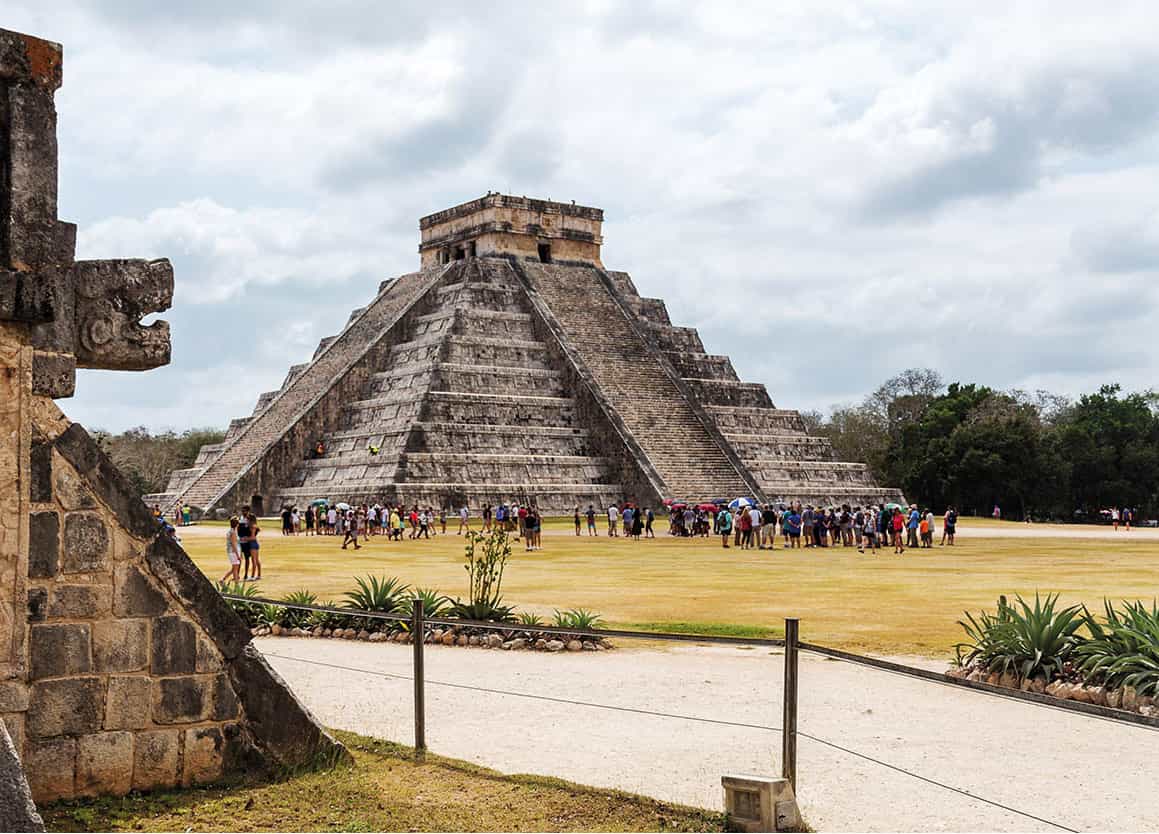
x=577, y=618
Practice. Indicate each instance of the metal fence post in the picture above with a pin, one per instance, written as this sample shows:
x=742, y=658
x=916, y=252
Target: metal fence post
x=416, y=630
x=789, y=724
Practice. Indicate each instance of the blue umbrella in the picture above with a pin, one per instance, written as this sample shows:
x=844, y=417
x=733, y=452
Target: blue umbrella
x=739, y=503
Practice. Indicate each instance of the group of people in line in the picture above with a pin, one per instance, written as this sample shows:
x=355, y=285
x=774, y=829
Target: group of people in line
x=635, y=522
x=752, y=526
x=359, y=523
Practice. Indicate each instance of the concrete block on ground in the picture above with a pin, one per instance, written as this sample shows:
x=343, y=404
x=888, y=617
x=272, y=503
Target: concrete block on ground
x=760, y=803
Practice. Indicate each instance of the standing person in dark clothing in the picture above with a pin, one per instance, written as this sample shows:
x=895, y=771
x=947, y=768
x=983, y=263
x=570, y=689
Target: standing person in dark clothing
x=649, y=517
x=287, y=521
x=244, y=531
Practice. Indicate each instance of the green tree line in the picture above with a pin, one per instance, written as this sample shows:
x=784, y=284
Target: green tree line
x=147, y=459
x=973, y=446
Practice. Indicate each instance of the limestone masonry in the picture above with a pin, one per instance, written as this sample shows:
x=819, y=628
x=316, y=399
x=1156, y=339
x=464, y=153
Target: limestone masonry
x=513, y=366
x=121, y=668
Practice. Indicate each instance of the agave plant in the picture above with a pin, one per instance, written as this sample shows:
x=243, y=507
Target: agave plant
x=530, y=619
x=296, y=617
x=385, y=596
x=578, y=618
x=1027, y=640
x=434, y=603
x=328, y=619
x=490, y=611
x=1123, y=650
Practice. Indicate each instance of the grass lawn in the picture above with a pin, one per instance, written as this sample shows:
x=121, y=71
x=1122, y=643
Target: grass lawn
x=883, y=604
x=386, y=790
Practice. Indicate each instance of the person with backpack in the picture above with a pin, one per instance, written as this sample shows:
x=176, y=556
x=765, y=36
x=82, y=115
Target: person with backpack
x=949, y=526
x=869, y=531
x=724, y=525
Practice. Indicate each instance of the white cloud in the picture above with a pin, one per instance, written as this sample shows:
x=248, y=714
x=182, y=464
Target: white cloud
x=830, y=191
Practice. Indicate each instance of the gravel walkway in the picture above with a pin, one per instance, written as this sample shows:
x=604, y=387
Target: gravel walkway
x=1085, y=773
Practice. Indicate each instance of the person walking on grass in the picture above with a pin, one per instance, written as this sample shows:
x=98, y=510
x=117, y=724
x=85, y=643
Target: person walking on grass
x=576, y=519
x=724, y=526
x=613, y=521
x=591, y=516
x=464, y=520
x=351, y=537
x=486, y=518
x=233, y=553
x=243, y=540
x=649, y=517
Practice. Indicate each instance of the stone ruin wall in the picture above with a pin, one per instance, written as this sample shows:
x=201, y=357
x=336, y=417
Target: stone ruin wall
x=123, y=670
x=121, y=667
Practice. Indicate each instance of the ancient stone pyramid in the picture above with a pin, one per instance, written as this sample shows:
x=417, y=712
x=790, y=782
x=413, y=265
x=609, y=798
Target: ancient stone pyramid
x=513, y=366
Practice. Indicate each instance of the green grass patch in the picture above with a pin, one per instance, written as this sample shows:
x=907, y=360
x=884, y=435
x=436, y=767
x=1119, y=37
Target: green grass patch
x=384, y=790
x=704, y=629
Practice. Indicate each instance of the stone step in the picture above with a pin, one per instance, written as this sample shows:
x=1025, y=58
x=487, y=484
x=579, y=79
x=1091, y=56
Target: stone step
x=701, y=365
x=729, y=392
x=739, y=419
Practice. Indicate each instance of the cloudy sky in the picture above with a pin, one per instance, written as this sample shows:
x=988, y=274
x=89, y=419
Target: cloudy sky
x=830, y=192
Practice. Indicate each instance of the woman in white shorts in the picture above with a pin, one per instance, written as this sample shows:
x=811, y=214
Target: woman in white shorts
x=233, y=551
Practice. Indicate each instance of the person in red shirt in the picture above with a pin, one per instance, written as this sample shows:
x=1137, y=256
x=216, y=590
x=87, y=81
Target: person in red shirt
x=898, y=524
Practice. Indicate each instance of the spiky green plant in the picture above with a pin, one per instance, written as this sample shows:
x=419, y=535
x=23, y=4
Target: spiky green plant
x=1030, y=641
x=296, y=617
x=529, y=619
x=578, y=618
x=1123, y=650
x=434, y=603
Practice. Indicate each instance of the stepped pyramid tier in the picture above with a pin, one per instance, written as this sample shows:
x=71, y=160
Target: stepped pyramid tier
x=513, y=366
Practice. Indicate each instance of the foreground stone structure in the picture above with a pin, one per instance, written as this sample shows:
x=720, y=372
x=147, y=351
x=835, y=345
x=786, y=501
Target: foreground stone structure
x=121, y=668
x=514, y=366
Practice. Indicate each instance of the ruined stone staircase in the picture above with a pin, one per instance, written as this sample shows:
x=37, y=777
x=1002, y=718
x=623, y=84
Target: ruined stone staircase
x=679, y=446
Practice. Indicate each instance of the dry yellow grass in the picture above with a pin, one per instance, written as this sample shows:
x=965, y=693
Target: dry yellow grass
x=883, y=604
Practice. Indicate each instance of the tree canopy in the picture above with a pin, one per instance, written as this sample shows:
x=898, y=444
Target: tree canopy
x=973, y=446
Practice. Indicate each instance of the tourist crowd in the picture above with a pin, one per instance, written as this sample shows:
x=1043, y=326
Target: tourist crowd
x=751, y=526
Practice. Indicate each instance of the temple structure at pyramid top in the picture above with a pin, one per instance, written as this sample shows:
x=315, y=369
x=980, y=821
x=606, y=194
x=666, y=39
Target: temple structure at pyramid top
x=498, y=225
x=513, y=366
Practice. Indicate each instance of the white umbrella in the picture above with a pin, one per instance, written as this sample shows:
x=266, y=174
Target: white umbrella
x=342, y=505
x=739, y=503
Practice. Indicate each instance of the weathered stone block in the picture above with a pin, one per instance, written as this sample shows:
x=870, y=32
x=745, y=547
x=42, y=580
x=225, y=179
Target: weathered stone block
x=40, y=490
x=204, y=754
x=13, y=696
x=121, y=645
x=59, y=650
x=174, y=646
x=53, y=375
x=79, y=602
x=51, y=768
x=127, y=702
x=43, y=545
x=181, y=700
x=155, y=759
x=86, y=543
x=70, y=489
x=208, y=660
x=37, y=605
x=134, y=595
x=225, y=703
x=104, y=764
x=71, y=706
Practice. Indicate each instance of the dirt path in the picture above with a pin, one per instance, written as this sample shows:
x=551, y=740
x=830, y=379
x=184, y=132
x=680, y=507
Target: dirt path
x=1084, y=773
